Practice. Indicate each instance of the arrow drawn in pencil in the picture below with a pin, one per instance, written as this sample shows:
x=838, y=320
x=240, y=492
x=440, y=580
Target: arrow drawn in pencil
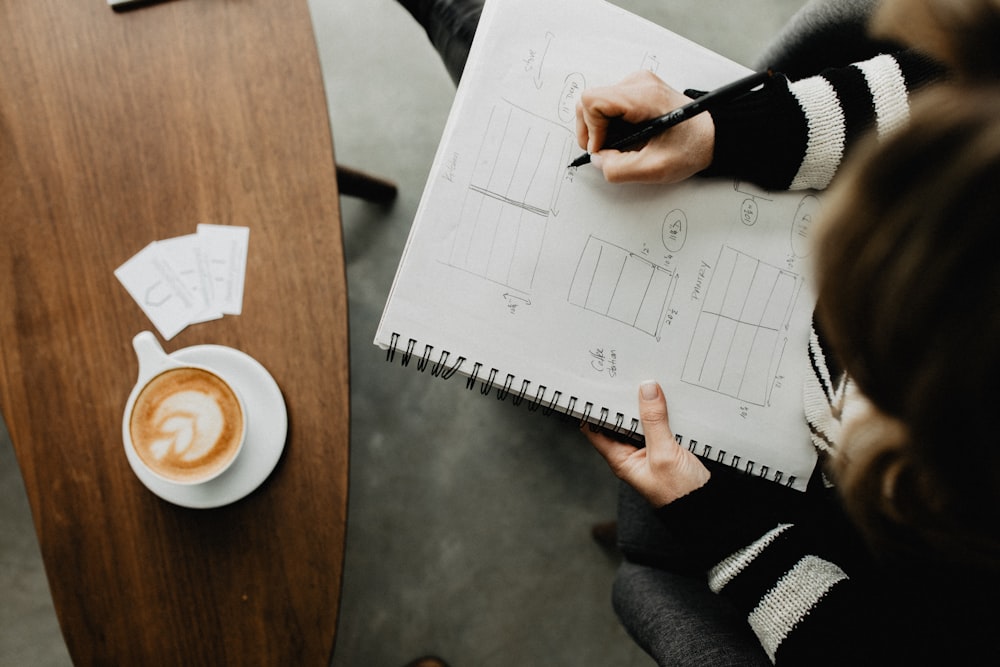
x=538, y=71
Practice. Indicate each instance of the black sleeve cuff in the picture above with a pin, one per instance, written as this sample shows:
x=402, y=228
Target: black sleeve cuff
x=759, y=137
x=731, y=511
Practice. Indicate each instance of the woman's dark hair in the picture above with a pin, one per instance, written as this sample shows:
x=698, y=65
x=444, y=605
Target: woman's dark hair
x=960, y=33
x=908, y=260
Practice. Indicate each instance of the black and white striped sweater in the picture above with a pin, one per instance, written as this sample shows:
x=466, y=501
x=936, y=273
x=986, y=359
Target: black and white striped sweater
x=793, y=562
x=795, y=134
x=811, y=589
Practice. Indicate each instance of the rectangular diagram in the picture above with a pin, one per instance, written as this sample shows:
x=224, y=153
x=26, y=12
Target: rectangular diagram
x=514, y=183
x=737, y=342
x=621, y=285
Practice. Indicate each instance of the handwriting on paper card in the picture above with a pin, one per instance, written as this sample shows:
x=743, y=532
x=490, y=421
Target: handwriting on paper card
x=188, y=279
x=227, y=256
x=189, y=258
x=159, y=291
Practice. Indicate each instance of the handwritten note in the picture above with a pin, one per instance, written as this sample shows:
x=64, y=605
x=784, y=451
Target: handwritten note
x=189, y=279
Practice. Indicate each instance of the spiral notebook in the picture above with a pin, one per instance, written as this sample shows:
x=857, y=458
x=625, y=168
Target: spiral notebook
x=553, y=289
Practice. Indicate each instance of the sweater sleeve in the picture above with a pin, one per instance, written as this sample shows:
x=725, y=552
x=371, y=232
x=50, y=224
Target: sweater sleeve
x=786, y=570
x=799, y=602
x=795, y=134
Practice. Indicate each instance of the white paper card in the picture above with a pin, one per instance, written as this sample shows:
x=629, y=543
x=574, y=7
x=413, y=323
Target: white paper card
x=189, y=258
x=159, y=290
x=227, y=257
x=189, y=279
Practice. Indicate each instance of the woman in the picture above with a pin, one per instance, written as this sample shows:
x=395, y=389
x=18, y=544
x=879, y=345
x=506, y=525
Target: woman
x=900, y=564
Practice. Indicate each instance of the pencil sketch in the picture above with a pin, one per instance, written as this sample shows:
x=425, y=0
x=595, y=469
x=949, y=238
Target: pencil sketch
x=511, y=195
x=573, y=87
x=739, y=337
x=622, y=286
x=750, y=209
x=530, y=64
x=805, y=214
x=674, y=230
x=650, y=62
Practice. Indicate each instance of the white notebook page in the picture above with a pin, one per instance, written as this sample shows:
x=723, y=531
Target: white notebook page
x=553, y=280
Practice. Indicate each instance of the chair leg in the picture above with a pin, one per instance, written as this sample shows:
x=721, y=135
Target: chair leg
x=354, y=183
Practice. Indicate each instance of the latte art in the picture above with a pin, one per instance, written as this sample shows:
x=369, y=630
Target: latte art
x=190, y=424
x=186, y=424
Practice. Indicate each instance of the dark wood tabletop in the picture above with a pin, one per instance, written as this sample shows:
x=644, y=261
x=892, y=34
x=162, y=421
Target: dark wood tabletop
x=118, y=129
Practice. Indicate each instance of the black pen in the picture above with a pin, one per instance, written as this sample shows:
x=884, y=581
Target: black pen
x=650, y=129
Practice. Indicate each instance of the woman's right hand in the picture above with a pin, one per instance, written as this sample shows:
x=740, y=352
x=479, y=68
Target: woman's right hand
x=673, y=156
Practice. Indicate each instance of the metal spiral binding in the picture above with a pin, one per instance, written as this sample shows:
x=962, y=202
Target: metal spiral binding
x=748, y=467
x=505, y=388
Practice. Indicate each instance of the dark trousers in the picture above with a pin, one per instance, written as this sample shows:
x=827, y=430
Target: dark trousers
x=450, y=25
x=824, y=33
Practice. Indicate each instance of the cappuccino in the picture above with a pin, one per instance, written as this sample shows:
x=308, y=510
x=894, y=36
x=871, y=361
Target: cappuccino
x=187, y=425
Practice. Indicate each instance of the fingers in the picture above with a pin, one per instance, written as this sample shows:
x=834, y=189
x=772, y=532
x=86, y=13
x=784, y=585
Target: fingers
x=673, y=156
x=594, y=112
x=662, y=471
x=621, y=456
x=666, y=457
x=629, y=462
x=618, y=455
x=628, y=166
x=590, y=134
x=638, y=97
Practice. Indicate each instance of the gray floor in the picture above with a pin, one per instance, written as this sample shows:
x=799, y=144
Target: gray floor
x=468, y=530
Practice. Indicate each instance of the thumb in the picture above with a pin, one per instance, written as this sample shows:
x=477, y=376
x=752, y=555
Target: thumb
x=676, y=470
x=653, y=412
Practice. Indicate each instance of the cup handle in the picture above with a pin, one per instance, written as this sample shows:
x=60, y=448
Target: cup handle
x=152, y=359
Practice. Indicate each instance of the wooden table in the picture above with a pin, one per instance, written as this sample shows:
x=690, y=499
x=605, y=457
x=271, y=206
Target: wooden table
x=117, y=130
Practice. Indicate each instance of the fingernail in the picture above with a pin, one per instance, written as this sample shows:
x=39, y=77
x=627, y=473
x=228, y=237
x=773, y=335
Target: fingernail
x=595, y=159
x=648, y=390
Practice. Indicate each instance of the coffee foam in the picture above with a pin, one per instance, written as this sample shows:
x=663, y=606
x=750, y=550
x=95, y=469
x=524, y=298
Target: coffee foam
x=186, y=424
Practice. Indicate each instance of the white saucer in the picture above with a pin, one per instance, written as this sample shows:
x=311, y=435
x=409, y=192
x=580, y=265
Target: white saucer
x=267, y=428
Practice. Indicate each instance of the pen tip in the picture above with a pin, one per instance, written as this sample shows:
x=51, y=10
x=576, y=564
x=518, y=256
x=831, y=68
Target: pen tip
x=580, y=161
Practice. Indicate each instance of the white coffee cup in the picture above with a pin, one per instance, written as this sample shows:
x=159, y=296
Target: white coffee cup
x=183, y=423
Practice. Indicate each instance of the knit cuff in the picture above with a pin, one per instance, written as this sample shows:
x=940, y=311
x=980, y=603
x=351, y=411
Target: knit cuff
x=759, y=137
x=729, y=512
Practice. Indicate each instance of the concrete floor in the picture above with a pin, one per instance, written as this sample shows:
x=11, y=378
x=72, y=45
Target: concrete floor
x=469, y=519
